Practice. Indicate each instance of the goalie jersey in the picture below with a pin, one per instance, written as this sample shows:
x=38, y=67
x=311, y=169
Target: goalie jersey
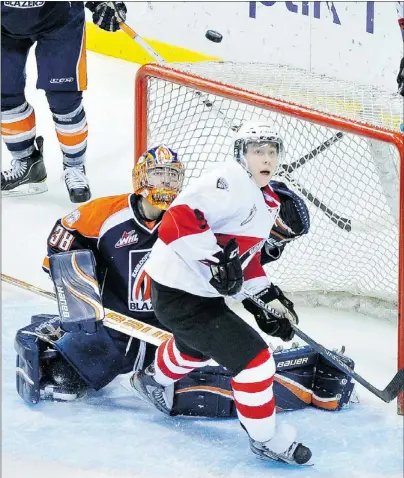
x=224, y=203
x=121, y=242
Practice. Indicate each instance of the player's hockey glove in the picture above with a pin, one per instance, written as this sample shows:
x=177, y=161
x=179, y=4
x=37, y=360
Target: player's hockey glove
x=400, y=78
x=276, y=324
x=107, y=15
x=293, y=221
x=227, y=274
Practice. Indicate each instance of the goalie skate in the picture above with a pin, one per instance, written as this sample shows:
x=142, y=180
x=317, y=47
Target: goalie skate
x=27, y=176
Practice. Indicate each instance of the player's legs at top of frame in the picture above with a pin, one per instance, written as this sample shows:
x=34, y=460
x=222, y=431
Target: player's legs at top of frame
x=58, y=29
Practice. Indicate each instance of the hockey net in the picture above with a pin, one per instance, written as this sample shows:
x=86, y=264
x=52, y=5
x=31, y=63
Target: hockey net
x=351, y=181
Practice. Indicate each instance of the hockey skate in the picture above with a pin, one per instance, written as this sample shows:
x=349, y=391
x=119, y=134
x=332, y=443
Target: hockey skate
x=282, y=448
x=146, y=388
x=27, y=176
x=77, y=183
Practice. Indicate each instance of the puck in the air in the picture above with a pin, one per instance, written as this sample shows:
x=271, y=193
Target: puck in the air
x=214, y=36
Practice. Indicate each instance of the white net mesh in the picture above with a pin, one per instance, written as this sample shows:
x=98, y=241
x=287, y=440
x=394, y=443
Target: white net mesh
x=351, y=187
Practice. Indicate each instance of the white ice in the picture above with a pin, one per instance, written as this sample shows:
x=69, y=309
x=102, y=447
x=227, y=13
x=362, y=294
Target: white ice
x=110, y=434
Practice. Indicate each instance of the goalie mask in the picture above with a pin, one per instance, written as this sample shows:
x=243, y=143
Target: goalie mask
x=158, y=176
x=256, y=133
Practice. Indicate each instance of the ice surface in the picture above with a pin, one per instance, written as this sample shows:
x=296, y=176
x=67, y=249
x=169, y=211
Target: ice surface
x=111, y=434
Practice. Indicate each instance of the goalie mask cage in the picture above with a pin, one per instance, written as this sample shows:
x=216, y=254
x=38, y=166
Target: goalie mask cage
x=353, y=256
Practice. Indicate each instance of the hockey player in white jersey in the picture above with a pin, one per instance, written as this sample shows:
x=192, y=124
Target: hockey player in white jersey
x=208, y=248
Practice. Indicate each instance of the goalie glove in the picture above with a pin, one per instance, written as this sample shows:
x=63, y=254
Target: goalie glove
x=227, y=274
x=277, y=324
x=293, y=221
x=107, y=15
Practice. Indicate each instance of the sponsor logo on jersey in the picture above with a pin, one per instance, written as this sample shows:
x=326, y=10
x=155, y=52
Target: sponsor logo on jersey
x=250, y=216
x=222, y=184
x=127, y=239
x=73, y=217
x=23, y=4
x=70, y=79
x=139, y=299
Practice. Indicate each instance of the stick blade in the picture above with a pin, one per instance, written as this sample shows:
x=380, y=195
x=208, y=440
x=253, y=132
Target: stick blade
x=394, y=387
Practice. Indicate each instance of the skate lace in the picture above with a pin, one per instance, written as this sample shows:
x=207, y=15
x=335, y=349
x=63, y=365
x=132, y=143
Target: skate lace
x=159, y=396
x=75, y=177
x=17, y=170
x=287, y=454
x=291, y=450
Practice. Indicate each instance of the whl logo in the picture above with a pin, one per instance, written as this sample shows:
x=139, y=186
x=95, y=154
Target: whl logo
x=127, y=239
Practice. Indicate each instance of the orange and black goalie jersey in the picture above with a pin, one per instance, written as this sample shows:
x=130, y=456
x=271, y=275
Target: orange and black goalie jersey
x=121, y=242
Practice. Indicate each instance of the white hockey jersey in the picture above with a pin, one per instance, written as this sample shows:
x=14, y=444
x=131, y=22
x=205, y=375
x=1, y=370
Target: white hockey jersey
x=224, y=203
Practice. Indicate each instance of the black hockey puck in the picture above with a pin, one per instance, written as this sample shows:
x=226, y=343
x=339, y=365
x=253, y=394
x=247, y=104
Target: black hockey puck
x=214, y=36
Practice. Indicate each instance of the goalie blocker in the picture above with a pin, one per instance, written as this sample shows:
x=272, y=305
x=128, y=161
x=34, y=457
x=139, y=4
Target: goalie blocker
x=53, y=364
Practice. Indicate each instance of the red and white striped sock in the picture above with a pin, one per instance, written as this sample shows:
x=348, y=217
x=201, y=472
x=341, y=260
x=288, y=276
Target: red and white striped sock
x=253, y=396
x=172, y=365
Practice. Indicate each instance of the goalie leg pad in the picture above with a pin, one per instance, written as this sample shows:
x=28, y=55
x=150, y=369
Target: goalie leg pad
x=294, y=378
x=77, y=290
x=332, y=389
x=41, y=372
x=207, y=392
x=204, y=393
x=27, y=366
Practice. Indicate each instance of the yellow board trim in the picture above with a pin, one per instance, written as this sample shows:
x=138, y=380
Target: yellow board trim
x=119, y=45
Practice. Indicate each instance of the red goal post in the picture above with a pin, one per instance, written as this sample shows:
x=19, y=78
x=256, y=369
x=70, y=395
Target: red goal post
x=174, y=104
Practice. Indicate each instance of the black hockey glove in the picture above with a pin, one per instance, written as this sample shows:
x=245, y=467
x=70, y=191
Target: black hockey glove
x=227, y=274
x=400, y=78
x=293, y=221
x=276, y=325
x=106, y=14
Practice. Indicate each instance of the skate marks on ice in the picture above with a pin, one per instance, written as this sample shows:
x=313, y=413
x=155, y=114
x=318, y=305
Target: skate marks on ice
x=111, y=433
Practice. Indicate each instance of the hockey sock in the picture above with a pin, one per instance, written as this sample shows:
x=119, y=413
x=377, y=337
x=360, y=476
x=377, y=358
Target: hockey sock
x=71, y=130
x=253, y=397
x=172, y=365
x=18, y=130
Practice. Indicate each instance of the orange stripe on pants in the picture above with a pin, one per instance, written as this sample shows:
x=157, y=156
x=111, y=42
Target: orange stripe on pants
x=82, y=64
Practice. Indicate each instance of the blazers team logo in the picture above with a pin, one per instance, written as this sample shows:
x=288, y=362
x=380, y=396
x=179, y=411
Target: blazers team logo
x=139, y=299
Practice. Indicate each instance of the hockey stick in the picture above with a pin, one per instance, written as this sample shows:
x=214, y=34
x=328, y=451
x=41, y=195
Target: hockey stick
x=113, y=320
x=290, y=168
x=342, y=222
x=387, y=395
x=287, y=169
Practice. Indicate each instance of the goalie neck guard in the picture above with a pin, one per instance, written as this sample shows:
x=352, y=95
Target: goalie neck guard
x=158, y=176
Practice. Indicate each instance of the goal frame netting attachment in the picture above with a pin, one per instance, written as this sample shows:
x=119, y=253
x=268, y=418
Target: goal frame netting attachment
x=342, y=124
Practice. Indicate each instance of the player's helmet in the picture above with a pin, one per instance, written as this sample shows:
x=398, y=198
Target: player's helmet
x=255, y=132
x=158, y=176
